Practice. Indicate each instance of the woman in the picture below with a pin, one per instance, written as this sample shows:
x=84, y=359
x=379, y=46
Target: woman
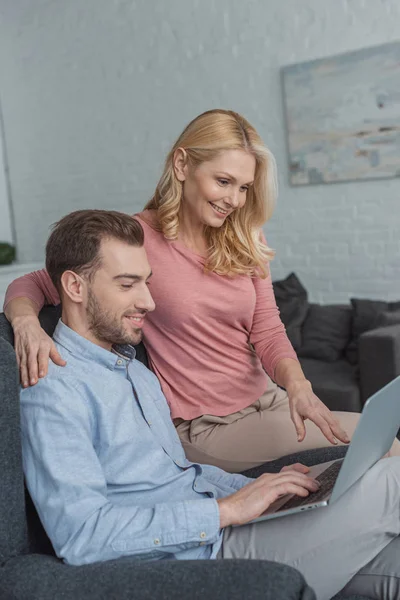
x=216, y=330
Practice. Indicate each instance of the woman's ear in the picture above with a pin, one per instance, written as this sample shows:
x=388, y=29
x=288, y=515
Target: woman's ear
x=73, y=286
x=180, y=164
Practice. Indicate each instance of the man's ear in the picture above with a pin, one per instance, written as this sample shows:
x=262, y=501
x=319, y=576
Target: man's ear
x=73, y=286
x=180, y=164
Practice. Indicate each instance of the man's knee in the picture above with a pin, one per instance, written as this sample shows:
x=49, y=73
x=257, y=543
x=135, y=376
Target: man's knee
x=385, y=471
x=380, y=578
x=389, y=470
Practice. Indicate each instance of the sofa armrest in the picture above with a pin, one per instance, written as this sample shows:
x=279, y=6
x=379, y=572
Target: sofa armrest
x=379, y=358
x=40, y=577
x=13, y=533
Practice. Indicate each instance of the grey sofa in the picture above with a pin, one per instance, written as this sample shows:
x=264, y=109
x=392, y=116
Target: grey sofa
x=29, y=570
x=347, y=351
x=345, y=386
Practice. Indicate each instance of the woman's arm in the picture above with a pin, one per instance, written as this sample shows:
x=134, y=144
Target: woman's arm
x=24, y=298
x=268, y=334
x=36, y=287
x=304, y=404
x=278, y=358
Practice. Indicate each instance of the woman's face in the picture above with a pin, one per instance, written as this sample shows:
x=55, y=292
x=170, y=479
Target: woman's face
x=214, y=189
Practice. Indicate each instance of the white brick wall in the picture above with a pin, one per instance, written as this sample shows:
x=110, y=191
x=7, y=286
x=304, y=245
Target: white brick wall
x=5, y=217
x=95, y=92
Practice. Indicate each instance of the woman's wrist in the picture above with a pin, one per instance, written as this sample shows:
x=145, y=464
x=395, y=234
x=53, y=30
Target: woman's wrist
x=296, y=385
x=22, y=320
x=21, y=310
x=290, y=376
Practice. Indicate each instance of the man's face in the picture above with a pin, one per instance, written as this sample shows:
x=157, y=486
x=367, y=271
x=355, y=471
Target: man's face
x=118, y=297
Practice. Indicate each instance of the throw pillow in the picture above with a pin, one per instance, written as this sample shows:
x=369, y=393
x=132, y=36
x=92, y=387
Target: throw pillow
x=326, y=332
x=292, y=301
x=366, y=314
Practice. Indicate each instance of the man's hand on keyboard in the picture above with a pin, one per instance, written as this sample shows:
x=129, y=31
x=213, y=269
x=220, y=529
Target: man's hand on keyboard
x=254, y=498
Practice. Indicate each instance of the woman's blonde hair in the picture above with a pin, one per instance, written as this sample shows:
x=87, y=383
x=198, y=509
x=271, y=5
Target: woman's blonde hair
x=237, y=247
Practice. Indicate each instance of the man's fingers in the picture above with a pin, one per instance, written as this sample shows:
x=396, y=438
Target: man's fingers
x=56, y=358
x=304, y=481
x=289, y=488
x=299, y=426
x=296, y=478
x=296, y=467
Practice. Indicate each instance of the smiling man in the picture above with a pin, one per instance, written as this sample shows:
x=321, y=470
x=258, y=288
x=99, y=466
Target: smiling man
x=98, y=263
x=105, y=466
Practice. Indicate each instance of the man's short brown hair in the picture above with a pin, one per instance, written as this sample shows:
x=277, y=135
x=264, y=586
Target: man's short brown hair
x=74, y=244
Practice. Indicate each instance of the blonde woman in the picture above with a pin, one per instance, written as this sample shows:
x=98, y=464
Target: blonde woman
x=216, y=331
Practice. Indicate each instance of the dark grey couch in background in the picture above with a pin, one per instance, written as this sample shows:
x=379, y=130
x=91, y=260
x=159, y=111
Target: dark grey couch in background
x=29, y=569
x=347, y=351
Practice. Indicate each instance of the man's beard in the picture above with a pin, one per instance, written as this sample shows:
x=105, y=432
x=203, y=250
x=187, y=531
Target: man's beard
x=107, y=327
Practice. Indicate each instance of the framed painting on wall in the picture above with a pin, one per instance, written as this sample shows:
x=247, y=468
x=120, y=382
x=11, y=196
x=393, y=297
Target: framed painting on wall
x=343, y=116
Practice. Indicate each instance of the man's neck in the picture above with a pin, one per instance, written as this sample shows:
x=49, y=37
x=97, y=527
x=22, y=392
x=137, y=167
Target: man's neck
x=73, y=319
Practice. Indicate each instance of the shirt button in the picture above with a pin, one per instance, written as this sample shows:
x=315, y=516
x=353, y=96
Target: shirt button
x=156, y=541
x=119, y=362
x=202, y=544
x=203, y=535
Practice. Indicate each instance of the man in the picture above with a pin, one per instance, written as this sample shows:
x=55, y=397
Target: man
x=105, y=466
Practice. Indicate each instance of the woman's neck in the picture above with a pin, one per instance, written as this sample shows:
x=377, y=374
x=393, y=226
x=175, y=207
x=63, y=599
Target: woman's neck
x=191, y=234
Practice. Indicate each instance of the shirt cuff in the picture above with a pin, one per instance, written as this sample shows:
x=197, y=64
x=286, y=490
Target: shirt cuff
x=239, y=481
x=203, y=520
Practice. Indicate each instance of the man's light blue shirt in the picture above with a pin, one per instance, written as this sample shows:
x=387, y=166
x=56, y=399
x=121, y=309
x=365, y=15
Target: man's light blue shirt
x=104, y=464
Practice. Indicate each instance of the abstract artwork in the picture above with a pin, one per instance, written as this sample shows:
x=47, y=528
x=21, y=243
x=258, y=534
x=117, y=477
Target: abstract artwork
x=343, y=116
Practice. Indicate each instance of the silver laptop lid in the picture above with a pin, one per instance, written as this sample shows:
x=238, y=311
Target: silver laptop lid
x=373, y=437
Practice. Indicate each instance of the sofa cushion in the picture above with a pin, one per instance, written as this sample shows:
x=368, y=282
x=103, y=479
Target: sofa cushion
x=326, y=332
x=335, y=383
x=37, y=577
x=366, y=315
x=292, y=301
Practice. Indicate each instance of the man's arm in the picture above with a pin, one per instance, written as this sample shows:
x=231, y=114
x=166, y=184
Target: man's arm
x=224, y=480
x=68, y=487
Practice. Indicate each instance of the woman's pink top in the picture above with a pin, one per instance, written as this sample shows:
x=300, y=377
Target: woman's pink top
x=210, y=335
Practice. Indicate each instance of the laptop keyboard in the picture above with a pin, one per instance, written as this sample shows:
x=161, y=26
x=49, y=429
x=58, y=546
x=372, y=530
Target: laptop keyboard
x=326, y=480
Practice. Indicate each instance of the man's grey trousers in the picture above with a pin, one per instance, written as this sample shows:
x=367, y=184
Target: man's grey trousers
x=339, y=545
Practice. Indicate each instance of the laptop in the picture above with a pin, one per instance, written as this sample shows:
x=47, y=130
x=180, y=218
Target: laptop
x=372, y=439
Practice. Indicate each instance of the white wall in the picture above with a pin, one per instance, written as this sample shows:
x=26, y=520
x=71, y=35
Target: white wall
x=94, y=93
x=5, y=216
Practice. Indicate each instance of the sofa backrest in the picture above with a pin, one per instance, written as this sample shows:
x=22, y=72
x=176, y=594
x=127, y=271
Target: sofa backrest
x=20, y=526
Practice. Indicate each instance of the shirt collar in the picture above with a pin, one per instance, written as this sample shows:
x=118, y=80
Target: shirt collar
x=79, y=346
x=126, y=351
